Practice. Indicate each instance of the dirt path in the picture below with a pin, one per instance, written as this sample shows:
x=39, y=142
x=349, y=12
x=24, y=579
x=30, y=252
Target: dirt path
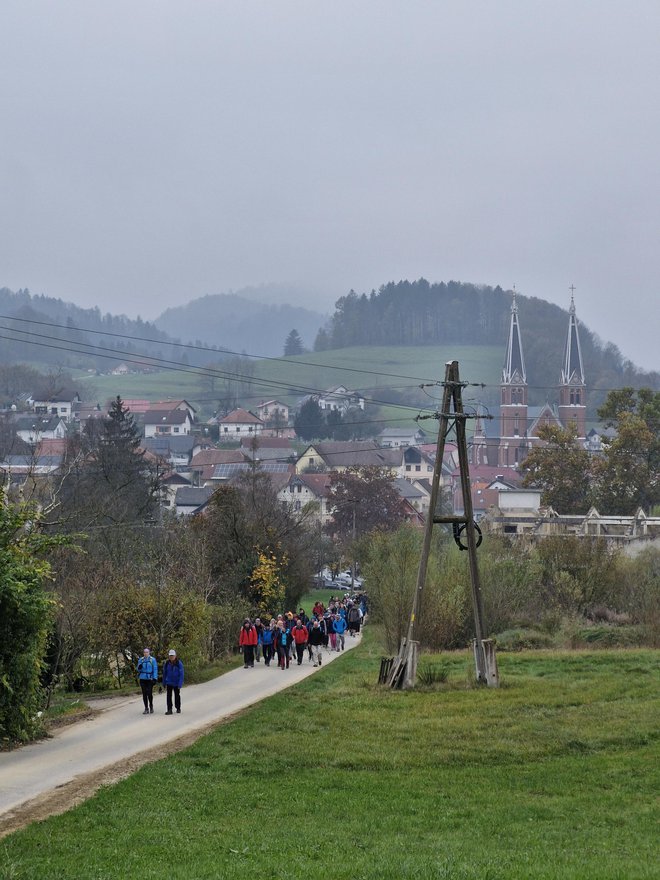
x=53, y=775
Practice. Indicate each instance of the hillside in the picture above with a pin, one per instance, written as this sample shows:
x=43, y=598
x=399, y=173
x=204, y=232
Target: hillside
x=240, y=323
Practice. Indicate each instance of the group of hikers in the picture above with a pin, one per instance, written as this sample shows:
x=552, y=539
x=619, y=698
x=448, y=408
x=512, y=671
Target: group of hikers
x=290, y=635
x=325, y=628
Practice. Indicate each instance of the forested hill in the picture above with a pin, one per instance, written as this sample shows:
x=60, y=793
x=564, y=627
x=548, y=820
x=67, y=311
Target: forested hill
x=44, y=330
x=421, y=313
x=241, y=324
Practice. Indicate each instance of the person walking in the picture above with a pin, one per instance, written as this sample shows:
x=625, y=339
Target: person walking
x=258, y=625
x=148, y=675
x=282, y=645
x=300, y=634
x=248, y=641
x=339, y=628
x=316, y=641
x=353, y=617
x=267, y=636
x=173, y=680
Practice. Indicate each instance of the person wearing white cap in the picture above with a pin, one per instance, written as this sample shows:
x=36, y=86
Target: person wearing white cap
x=173, y=680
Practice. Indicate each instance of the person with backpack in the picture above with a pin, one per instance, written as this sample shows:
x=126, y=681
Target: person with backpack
x=258, y=625
x=267, y=637
x=247, y=641
x=173, y=680
x=339, y=629
x=316, y=641
x=282, y=644
x=147, y=669
x=299, y=634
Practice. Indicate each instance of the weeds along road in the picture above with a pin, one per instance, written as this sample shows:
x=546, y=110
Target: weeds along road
x=53, y=774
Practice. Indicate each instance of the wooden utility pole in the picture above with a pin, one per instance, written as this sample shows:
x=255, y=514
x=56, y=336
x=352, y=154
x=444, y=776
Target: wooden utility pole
x=404, y=668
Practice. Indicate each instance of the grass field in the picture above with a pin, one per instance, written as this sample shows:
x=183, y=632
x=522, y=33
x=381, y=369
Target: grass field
x=552, y=776
x=396, y=367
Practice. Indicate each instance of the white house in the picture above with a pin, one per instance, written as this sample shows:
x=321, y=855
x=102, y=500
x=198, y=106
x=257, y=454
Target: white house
x=159, y=423
x=239, y=423
x=273, y=411
x=340, y=398
x=33, y=429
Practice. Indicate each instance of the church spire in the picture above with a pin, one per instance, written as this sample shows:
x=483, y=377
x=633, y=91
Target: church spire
x=572, y=387
x=573, y=371
x=514, y=364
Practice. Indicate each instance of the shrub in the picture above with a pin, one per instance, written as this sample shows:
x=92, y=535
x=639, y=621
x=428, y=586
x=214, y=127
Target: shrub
x=520, y=639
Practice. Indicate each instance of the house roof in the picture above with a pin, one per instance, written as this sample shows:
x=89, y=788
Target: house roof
x=193, y=496
x=170, y=404
x=407, y=490
x=240, y=416
x=319, y=484
x=355, y=453
x=162, y=417
x=267, y=442
x=227, y=471
x=55, y=392
x=272, y=403
x=216, y=456
x=27, y=423
x=165, y=445
x=268, y=453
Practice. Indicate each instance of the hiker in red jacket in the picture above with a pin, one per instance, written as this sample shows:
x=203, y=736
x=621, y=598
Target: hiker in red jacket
x=300, y=635
x=248, y=640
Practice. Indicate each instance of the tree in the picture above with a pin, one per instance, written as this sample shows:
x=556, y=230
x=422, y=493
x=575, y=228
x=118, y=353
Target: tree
x=562, y=469
x=628, y=475
x=26, y=612
x=113, y=483
x=366, y=496
x=293, y=344
x=309, y=421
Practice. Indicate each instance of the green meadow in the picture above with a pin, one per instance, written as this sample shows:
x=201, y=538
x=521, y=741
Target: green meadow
x=554, y=775
x=366, y=369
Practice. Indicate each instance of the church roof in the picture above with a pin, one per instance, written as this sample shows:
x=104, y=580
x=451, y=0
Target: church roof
x=514, y=364
x=573, y=371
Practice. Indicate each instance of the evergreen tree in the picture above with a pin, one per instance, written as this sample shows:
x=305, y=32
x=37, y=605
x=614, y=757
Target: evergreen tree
x=293, y=344
x=112, y=482
x=309, y=421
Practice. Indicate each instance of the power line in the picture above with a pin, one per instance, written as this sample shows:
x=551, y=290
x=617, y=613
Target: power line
x=206, y=349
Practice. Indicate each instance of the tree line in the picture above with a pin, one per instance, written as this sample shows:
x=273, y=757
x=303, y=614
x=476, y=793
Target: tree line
x=422, y=313
x=624, y=477
x=93, y=569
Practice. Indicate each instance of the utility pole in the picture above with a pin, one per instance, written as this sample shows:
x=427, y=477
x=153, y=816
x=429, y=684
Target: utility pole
x=404, y=668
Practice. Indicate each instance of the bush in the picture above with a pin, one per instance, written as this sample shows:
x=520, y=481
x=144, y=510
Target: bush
x=431, y=673
x=520, y=639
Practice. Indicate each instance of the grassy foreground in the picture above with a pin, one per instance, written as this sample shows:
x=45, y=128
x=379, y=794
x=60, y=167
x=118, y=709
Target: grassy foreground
x=552, y=776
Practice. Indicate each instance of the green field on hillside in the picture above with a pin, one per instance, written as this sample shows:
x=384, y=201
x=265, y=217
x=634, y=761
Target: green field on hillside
x=553, y=776
x=363, y=369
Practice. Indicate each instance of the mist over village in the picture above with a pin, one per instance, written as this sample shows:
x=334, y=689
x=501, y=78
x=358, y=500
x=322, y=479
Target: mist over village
x=329, y=440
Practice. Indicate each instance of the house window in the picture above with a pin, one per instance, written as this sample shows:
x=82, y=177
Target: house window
x=176, y=430
x=238, y=428
x=311, y=459
x=407, y=467
x=418, y=467
x=298, y=488
x=250, y=429
x=226, y=430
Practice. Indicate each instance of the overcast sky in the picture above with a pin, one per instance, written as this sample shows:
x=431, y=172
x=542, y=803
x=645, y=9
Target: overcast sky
x=154, y=152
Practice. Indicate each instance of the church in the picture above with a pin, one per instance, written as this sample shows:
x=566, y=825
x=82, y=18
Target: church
x=519, y=422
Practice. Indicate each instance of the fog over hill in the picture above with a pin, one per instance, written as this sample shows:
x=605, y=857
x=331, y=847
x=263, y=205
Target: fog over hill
x=255, y=319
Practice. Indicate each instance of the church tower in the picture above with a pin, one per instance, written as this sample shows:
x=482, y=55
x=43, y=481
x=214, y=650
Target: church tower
x=572, y=387
x=513, y=402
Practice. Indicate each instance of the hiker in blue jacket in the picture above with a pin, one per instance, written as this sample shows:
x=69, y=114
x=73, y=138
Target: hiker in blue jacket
x=339, y=627
x=267, y=635
x=147, y=669
x=173, y=680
